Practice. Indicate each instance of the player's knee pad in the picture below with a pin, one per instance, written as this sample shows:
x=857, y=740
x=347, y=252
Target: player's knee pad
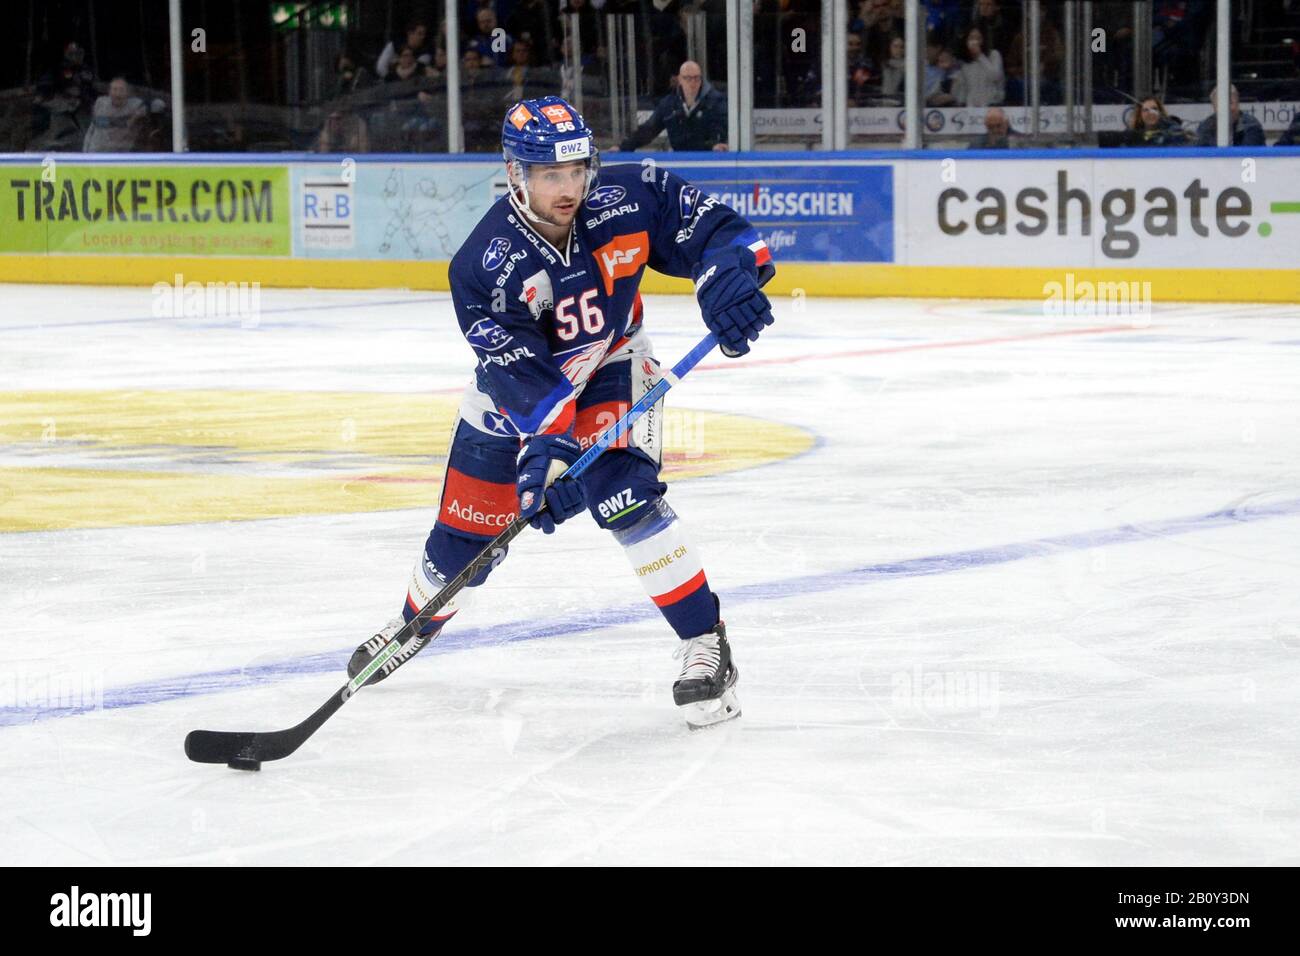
x=621, y=487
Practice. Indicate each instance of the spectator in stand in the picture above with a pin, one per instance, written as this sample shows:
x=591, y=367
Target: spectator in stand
x=65, y=101
x=491, y=41
x=524, y=80
x=405, y=67
x=483, y=102
x=1151, y=125
x=880, y=20
x=343, y=132
x=941, y=78
x=1246, y=130
x=1291, y=136
x=981, y=81
x=438, y=72
x=695, y=115
x=945, y=18
x=1051, y=54
x=410, y=118
x=416, y=37
x=531, y=20
x=473, y=71
x=348, y=77
x=998, y=25
x=117, y=120
x=997, y=131
x=862, y=72
x=891, y=80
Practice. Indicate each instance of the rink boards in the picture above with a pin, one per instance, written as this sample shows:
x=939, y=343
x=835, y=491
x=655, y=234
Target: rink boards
x=1087, y=228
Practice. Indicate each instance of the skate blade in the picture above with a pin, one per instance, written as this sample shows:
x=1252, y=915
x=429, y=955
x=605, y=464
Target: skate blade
x=709, y=713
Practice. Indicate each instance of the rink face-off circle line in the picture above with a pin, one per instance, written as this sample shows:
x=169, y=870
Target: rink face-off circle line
x=232, y=679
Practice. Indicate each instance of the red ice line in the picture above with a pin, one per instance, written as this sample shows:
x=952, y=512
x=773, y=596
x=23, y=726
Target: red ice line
x=823, y=356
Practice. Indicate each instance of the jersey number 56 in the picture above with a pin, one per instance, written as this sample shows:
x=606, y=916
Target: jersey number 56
x=566, y=324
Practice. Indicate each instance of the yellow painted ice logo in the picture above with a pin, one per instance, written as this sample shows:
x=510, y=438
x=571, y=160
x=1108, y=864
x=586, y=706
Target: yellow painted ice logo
x=98, y=459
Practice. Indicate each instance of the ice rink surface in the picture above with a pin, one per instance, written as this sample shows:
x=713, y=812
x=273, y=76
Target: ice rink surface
x=1001, y=588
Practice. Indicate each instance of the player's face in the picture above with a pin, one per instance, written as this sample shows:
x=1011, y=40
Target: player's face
x=555, y=190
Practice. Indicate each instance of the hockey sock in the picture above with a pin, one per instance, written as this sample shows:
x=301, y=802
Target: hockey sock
x=425, y=583
x=670, y=570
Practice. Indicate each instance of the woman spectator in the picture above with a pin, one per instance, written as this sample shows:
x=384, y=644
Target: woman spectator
x=891, y=81
x=1150, y=125
x=416, y=37
x=981, y=81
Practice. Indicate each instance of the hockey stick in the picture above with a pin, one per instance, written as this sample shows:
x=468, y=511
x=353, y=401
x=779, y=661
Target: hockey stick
x=246, y=750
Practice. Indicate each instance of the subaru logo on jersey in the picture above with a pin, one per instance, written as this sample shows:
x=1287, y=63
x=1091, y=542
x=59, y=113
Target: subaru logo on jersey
x=605, y=196
x=572, y=149
x=686, y=200
x=499, y=424
x=496, y=253
x=485, y=334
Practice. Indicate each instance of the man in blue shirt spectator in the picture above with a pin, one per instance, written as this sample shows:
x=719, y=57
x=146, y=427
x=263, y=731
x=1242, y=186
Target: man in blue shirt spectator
x=695, y=115
x=1246, y=130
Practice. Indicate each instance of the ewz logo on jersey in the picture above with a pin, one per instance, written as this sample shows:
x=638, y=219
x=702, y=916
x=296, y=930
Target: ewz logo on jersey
x=495, y=253
x=620, y=504
x=488, y=336
x=605, y=196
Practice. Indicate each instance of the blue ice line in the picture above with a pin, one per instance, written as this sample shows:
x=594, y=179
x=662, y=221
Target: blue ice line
x=211, y=682
x=154, y=318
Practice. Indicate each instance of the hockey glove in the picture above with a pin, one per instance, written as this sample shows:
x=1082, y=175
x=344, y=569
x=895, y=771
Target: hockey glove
x=734, y=308
x=542, y=459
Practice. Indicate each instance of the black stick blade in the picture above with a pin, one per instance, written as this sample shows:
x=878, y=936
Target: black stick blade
x=223, y=746
x=217, y=746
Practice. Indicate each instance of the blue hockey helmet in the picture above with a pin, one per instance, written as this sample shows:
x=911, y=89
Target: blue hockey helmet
x=543, y=131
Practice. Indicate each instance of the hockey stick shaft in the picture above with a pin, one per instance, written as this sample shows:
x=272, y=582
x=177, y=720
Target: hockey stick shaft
x=214, y=746
x=494, y=551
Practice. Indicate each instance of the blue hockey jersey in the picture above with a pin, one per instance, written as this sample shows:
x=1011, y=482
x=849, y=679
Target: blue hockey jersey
x=541, y=319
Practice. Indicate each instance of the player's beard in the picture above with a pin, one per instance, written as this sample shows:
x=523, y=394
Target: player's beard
x=562, y=220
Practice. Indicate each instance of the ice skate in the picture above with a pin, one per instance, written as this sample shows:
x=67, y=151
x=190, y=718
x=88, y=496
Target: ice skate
x=705, y=689
x=367, y=652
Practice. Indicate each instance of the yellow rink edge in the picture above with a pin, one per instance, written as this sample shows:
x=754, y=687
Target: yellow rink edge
x=814, y=279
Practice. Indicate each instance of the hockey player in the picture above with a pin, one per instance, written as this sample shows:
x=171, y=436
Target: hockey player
x=545, y=291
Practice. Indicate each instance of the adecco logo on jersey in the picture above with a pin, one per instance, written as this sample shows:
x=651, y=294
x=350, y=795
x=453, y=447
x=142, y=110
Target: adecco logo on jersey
x=622, y=256
x=605, y=196
x=495, y=254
